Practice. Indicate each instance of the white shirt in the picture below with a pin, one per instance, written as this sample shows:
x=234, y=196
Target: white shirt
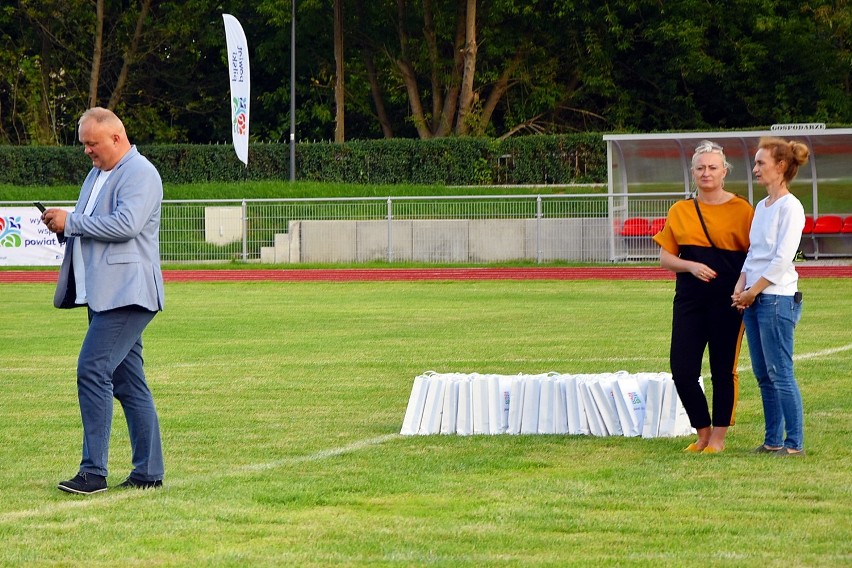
x=77, y=253
x=775, y=234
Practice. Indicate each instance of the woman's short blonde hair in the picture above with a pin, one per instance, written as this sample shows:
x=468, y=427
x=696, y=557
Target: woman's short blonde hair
x=708, y=147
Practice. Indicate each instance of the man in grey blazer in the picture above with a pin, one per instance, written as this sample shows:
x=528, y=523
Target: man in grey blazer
x=112, y=267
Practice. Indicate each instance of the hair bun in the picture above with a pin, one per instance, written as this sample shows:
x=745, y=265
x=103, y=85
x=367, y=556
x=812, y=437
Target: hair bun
x=801, y=153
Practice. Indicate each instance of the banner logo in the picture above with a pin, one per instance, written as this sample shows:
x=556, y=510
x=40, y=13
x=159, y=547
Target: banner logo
x=240, y=118
x=10, y=232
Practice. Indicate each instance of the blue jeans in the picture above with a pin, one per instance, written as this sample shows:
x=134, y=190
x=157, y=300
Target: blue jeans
x=110, y=365
x=769, y=325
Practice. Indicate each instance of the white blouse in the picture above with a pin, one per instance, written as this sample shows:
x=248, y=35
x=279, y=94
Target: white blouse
x=775, y=235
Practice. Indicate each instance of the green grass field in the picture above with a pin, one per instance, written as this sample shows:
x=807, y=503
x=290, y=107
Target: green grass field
x=281, y=405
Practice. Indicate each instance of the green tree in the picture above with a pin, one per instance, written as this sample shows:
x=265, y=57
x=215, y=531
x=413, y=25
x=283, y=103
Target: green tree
x=45, y=80
x=424, y=68
x=698, y=65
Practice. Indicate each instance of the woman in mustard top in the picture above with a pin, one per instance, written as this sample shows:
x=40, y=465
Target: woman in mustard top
x=704, y=242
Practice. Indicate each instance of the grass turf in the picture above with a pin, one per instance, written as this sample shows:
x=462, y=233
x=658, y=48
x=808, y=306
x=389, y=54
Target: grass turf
x=280, y=406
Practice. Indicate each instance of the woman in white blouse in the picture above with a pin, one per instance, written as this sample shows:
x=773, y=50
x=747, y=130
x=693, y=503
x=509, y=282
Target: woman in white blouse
x=768, y=292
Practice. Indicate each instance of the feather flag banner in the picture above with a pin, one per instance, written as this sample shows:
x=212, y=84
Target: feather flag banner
x=240, y=78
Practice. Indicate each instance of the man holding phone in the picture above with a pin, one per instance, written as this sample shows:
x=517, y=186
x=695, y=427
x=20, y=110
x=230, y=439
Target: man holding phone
x=112, y=267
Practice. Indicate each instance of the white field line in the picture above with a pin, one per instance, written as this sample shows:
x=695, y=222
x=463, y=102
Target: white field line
x=746, y=368
x=107, y=500
x=320, y=455
x=823, y=353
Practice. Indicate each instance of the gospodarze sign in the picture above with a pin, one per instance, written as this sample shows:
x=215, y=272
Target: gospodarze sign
x=800, y=126
x=26, y=241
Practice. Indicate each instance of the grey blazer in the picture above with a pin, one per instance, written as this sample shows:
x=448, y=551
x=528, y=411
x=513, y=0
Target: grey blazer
x=120, y=240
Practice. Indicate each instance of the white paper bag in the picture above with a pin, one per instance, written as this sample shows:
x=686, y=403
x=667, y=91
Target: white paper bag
x=431, y=421
x=516, y=404
x=642, y=380
x=560, y=411
x=449, y=414
x=669, y=410
x=630, y=405
x=575, y=409
x=414, y=410
x=532, y=394
x=464, y=419
x=498, y=403
x=653, y=407
x=596, y=425
x=601, y=390
x=479, y=395
x=546, y=406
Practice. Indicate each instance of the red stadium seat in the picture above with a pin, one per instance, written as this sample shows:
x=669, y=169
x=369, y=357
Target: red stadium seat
x=847, y=225
x=657, y=225
x=636, y=227
x=809, y=225
x=828, y=224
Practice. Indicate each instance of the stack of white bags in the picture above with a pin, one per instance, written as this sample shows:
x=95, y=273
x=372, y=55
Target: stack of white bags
x=607, y=404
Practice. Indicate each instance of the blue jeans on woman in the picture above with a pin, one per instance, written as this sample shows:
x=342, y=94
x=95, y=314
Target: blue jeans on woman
x=769, y=325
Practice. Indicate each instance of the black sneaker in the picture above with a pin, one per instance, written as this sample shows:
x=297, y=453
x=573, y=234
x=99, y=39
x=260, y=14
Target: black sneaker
x=784, y=453
x=133, y=483
x=84, y=484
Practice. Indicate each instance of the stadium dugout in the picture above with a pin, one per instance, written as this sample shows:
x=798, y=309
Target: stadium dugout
x=649, y=172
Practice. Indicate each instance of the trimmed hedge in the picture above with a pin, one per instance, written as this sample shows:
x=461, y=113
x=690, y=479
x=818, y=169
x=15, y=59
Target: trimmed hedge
x=579, y=158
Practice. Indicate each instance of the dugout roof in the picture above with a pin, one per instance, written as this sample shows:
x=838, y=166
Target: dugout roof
x=643, y=163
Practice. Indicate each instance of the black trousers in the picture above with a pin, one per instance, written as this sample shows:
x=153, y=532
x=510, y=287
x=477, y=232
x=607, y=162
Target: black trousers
x=699, y=323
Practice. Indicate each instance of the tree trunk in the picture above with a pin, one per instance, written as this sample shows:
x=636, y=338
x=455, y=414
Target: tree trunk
x=497, y=91
x=97, y=54
x=372, y=74
x=466, y=97
x=339, y=90
x=410, y=81
x=431, y=37
x=129, y=55
x=378, y=100
x=451, y=98
x=44, y=130
x=409, y=77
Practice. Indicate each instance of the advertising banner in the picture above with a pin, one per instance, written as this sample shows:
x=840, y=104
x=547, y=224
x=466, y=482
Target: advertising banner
x=238, y=70
x=25, y=241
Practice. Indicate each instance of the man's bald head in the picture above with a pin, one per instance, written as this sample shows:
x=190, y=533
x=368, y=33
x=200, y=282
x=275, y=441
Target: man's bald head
x=103, y=135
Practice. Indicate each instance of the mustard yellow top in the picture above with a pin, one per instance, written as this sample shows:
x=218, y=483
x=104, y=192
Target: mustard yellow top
x=728, y=224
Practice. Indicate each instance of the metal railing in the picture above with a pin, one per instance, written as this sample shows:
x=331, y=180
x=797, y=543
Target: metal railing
x=470, y=229
x=583, y=228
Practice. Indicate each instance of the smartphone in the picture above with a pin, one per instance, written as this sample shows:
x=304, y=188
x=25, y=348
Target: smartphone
x=40, y=206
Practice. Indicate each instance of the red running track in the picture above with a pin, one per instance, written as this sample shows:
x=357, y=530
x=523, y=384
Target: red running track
x=413, y=274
